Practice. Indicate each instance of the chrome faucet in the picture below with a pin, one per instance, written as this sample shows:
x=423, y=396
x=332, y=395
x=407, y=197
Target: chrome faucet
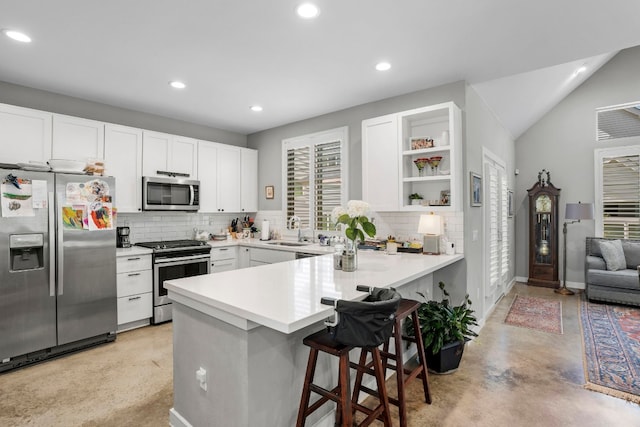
x=292, y=222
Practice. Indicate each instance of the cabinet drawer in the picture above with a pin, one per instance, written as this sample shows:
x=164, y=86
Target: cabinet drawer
x=134, y=307
x=126, y=264
x=223, y=253
x=135, y=282
x=271, y=256
x=224, y=265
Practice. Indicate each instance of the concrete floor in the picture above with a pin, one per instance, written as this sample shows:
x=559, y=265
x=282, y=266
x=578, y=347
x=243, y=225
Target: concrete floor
x=509, y=376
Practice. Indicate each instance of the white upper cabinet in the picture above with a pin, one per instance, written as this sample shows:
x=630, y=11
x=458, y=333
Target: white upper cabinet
x=248, y=180
x=165, y=154
x=25, y=135
x=380, y=175
x=123, y=160
x=228, y=173
x=207, y=167
x=77, y=139
x=220, y=177
x=394, y=145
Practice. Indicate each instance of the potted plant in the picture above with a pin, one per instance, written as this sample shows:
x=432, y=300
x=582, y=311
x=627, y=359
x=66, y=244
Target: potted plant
x=445, y=330
x=415, y=199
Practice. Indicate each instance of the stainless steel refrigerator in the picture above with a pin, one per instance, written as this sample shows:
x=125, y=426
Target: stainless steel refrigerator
x=57, y=268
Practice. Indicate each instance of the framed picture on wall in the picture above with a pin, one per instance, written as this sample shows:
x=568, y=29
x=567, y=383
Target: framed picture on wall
x=475, y=184
x=510, y=203
x=269, y=192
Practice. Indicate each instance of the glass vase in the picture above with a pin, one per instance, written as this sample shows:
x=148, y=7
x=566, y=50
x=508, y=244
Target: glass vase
x=350, y=257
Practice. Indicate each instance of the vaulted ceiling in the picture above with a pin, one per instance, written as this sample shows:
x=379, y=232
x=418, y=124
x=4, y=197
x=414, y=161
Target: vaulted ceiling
x=235, y=54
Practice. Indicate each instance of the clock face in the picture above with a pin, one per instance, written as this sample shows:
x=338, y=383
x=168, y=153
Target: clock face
x=543, y=204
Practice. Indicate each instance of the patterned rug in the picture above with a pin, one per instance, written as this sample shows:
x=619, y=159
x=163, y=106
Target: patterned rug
x=611, y=337
x=535, y=313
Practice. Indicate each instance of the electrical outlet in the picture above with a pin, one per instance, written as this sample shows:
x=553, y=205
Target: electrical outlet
x=201, y=377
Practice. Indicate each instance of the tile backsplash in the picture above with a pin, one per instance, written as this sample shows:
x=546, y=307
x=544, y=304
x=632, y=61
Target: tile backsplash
x=151, y=226
x=402, y=225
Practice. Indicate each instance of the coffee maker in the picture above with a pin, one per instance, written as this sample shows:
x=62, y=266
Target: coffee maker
x=122, y=239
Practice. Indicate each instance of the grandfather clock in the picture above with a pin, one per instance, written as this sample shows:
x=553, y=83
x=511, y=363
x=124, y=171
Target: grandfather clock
x=543, y=232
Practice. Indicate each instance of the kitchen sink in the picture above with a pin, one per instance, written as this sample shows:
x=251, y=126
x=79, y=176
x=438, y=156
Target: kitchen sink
x=288, y=244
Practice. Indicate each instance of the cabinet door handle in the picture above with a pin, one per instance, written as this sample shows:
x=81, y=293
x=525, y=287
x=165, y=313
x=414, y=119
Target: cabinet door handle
x=135, y=298
x=134, y=274
x=224, y=249
x=133, y=259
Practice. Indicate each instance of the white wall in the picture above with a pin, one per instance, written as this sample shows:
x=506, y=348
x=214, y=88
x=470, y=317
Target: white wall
x=563, y=142
x=483, y=130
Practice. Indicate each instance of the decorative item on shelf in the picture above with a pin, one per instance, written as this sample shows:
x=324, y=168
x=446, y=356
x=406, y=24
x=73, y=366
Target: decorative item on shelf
x=420, y=164
x=445, y=330
x=415, y=199
x=434, y=162
x=445, y=198
x=430, y=226
x=444, y=140
x=357, y=222
x=419, y=143
x=574, y=212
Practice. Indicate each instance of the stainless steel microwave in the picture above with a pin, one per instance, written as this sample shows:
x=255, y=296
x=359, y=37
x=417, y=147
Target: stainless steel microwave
x=170, y=194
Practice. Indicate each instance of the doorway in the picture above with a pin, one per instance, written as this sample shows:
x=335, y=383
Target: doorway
x=496, y=229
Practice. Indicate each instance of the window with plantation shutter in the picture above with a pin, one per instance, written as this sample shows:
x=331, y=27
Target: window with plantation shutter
x=315, y=177
x=618, y=192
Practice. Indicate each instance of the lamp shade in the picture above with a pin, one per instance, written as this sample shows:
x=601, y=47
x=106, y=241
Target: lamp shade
x=429, y=224
x=579, y=211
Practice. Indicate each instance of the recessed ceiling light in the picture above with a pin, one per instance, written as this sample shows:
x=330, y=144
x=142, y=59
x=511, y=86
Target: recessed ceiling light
x=177, y=85
x=307, y=11
x=256, y=108
x=17, y=35
x=383, y=66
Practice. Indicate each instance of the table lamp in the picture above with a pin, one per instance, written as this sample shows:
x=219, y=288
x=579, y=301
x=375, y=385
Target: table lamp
x=574, y=213
x=430, y=226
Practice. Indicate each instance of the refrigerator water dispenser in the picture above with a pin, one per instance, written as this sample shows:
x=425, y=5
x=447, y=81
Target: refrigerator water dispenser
x=26, y=252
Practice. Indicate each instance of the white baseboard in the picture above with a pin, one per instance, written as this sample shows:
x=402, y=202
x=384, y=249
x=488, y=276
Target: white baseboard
x=177, y=420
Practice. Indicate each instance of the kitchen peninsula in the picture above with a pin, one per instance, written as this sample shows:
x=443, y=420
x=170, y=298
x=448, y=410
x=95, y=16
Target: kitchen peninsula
x=237, y=335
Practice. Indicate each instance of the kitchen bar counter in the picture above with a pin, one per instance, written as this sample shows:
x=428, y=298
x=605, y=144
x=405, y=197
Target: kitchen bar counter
x=242, y=330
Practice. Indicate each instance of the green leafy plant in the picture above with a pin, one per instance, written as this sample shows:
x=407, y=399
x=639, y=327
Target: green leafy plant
x=415, y=196
x=442, y=323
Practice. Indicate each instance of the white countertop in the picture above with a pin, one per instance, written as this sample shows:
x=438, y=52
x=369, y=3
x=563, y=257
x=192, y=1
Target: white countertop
x=286, y=296
x=313, y=248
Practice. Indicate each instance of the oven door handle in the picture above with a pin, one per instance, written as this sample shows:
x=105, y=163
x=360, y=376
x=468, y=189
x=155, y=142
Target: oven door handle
x=181, y=260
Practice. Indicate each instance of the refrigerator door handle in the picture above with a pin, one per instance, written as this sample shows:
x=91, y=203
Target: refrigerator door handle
x=52, y=246
x=60, y=246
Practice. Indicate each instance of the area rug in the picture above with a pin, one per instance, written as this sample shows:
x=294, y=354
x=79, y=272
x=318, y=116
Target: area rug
x=535, y=313
x=611, y=337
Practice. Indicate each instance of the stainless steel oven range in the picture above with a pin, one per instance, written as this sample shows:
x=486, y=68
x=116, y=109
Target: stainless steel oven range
x=175, y=259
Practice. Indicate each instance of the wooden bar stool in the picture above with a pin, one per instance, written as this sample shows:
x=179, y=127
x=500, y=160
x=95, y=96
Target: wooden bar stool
x=323, y=341
x=407, y=308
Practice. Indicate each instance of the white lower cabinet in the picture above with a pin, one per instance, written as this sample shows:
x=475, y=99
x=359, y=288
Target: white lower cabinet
x=224, y=259
x=258, y=256
x=135, y=291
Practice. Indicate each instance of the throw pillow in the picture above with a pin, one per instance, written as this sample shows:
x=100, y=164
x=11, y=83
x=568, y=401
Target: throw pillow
x=613, y=254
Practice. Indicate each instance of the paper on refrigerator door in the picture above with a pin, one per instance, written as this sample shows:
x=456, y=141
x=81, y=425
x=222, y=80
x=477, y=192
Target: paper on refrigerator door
x=17, y=201
x=39, y=189
x=100, y=216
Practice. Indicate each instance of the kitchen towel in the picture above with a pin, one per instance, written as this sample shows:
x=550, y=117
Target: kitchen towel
x=264, y=232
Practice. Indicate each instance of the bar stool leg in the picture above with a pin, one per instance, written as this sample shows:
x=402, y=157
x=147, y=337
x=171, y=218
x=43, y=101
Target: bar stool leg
x=306, y=390
x=382, y=389
x=358, y=383
x=344, y=407
x=422, y=356
x=397, y=339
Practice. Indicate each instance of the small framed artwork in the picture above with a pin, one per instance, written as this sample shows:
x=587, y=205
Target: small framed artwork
x=510, y=203
x=418, y=143
x=269, y=192
x=475, y=182
x=445, y=197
